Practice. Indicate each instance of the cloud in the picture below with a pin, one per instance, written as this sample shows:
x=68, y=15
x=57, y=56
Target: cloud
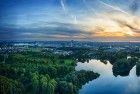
x=8, y=32
x=49, y=30
x=113, y=25
x=131, y=25
x=88, y=7
x=63, y=6
x=134, y=6
x=74, y=17
x=115, y=8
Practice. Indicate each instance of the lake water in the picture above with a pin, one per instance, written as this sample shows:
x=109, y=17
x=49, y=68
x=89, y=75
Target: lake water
x=107, y=83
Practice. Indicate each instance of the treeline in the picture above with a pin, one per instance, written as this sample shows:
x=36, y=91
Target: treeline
x=122, y=61
x=123, y=66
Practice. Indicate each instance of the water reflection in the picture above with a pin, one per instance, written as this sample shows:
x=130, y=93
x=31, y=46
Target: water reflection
x=107, y=83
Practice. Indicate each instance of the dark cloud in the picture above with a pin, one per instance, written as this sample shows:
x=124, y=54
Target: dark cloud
x=8, y=32
x=123, y=23
x=51, y=29
x=65, y=29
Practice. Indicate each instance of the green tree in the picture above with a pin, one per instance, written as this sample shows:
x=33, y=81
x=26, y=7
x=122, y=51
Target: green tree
x=138, y=68
x=35, y=83
x=9, y=86
x=66, y=88
x=48, y=85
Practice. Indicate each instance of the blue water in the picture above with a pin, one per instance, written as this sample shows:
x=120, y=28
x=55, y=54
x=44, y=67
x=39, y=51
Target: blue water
x=107, y=83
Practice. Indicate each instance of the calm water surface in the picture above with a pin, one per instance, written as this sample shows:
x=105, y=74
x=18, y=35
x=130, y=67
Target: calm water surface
x=107, y=83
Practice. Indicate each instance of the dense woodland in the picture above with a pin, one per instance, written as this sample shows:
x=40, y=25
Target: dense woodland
x=39, y=71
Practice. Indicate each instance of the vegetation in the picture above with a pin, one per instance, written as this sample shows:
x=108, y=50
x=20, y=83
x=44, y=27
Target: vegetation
x=138, y=68
x=41, y=72
x=110, y=56
x=9, y=86
x=123, y=66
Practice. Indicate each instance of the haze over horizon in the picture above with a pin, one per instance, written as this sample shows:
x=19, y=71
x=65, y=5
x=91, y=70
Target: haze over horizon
x=97, y=20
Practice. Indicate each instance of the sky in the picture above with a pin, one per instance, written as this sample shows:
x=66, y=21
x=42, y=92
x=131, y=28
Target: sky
x=95, y=20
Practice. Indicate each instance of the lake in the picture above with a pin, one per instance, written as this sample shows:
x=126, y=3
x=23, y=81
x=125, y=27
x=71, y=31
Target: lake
x=107, y=83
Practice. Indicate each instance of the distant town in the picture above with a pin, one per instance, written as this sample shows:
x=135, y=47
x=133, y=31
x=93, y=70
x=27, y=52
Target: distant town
x=18, y=46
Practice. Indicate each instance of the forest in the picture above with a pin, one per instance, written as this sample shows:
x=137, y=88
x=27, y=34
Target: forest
x=35, y=71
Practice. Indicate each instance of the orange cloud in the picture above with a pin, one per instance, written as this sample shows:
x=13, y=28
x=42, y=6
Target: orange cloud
x=114, y=24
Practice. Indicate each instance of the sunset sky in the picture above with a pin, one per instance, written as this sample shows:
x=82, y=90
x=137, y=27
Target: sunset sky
x=96, y=20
